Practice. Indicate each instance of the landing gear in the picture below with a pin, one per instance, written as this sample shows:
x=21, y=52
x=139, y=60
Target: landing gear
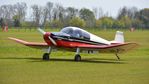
x=117, y=56
x=46, y=55
x=117, y=51
x=77, y=56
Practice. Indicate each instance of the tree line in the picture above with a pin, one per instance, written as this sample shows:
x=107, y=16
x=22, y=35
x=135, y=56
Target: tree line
x=56, y=16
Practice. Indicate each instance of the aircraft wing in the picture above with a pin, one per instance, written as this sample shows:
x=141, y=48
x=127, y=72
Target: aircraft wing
x=123, y=47
x=30, y=44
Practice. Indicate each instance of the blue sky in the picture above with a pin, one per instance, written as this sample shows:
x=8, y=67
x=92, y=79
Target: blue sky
x=110, y=6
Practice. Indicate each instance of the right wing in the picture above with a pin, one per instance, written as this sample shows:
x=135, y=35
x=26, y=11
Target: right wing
x=31, y=44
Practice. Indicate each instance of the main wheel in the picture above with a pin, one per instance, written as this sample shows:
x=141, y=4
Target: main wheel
x=45, y=56
x=77, y=58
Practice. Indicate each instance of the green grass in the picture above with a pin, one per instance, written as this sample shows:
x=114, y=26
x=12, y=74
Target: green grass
x=23, y=65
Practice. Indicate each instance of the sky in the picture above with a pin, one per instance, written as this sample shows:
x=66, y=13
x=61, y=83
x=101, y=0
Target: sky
x=110, y=6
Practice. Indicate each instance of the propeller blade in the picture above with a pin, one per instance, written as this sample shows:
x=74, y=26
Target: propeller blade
x=41, y=31
x=52, y=40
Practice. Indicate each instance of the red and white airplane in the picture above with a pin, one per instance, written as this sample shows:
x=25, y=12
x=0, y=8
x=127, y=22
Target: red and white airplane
x=78, y=40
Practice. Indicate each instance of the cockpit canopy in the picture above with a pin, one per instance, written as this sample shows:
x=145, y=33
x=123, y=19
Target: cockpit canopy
x=76, y=32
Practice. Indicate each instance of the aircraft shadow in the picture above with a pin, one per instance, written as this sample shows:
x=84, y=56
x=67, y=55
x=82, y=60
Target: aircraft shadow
x=110, y=61
x=85, y=60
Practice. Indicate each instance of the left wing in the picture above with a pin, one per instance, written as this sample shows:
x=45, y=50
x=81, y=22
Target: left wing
x=30, y=44
x=119, y=48
x=112, y=48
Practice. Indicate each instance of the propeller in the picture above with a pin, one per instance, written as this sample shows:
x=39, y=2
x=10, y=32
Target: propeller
x=51, y=39
x=41, y=31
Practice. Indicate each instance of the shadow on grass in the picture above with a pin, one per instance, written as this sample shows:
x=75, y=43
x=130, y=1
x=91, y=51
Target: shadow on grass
x=95, y=60
x=87, y=60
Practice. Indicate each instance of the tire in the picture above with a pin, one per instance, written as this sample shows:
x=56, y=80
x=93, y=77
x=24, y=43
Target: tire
x=77, y=58
x=45, y=56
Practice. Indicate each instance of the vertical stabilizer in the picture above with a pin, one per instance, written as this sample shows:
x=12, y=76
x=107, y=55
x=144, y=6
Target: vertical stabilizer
x=119, y=37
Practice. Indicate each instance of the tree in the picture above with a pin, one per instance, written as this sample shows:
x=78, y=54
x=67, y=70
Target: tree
x=143, y=16
x=118, y=24
x=61, y=12
x=37, y=10
x=20, y=11
x=56, y=23
x=16, y=23
x=44, y=16
x=100, y=13
x=76, y=21
x=71, y=12
x=136, y=23
x=105, y=22
x=49, y=7
x=7, y=13
x=88, y=16
x=95, y=11
x=127, y=12
x=58, y=12
x=26, y=24
x=122, y=12
x=1, y=22
x=132, y=13
x=126, y=21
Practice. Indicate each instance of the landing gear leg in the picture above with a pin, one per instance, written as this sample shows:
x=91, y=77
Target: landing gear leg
x=46, y=55
x=117, y=54
x=77, y=56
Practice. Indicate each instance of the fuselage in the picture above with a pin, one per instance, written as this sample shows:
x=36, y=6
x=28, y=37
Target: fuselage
x=70, y=35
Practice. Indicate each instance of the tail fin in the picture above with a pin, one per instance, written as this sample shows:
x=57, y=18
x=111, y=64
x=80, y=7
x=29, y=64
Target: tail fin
x=119, y=37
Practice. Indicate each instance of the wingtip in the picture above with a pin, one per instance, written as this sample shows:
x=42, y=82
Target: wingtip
x=11, y=38
x=18, y=40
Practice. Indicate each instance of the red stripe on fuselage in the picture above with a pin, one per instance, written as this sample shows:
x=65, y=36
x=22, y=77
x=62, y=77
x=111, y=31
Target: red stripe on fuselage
x=72, y=44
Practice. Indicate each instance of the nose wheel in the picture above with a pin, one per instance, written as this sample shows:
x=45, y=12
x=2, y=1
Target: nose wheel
x=45, y=56
x=77, y=57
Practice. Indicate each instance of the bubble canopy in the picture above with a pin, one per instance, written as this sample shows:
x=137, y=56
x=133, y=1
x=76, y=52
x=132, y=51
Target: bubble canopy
x=76, y=32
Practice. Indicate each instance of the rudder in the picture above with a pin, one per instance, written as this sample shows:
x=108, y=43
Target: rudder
x=119, y=37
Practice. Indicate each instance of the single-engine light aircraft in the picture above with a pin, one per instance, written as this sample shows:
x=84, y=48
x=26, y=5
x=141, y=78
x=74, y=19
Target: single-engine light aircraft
x=78, y=40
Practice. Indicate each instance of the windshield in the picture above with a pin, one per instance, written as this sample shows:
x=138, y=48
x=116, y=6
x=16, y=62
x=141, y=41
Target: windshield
x=67, y=30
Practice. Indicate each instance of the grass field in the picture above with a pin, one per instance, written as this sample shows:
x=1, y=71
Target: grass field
x=23, y=65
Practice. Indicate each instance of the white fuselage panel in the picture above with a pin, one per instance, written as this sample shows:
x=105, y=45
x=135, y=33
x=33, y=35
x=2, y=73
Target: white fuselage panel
x=98, y=39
